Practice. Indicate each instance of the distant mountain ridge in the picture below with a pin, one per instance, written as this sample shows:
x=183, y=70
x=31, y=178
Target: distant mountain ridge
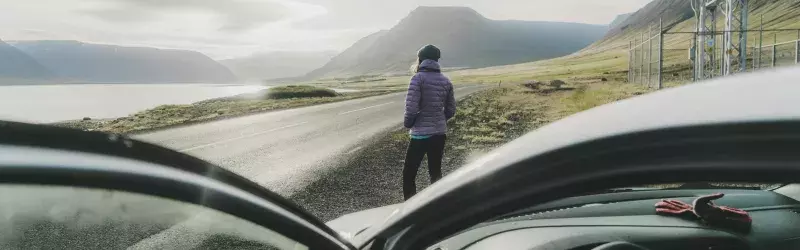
x=467, y=39
x=619, y=19
x=16, y=64
x=671, y=12
x=86, y=62
x=678, y=17
x=279, y=64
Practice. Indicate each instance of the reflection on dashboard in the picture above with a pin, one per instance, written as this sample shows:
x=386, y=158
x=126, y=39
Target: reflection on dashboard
x=586, y=222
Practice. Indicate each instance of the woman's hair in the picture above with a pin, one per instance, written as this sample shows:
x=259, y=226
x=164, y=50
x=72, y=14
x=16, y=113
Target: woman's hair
x=415, y=66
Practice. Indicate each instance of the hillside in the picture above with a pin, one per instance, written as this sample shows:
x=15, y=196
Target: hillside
x=466, y=38
x=16, y=64
x=278, y=64
x=85, y=62
x=610, y=54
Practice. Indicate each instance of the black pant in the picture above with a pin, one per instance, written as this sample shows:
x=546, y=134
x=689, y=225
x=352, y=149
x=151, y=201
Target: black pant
x=417, y=148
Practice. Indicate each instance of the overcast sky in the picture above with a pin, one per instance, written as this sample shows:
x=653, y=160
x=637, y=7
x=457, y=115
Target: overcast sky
x=232, y=28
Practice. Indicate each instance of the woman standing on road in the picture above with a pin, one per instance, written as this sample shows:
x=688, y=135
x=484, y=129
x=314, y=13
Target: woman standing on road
x=430, y=102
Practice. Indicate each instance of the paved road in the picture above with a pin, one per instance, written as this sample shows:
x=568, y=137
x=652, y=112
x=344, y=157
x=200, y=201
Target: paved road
x=285, y=150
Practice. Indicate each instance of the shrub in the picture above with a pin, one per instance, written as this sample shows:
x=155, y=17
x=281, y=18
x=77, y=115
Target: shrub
x=557, y=84
x=286, y=92
x=532, y=84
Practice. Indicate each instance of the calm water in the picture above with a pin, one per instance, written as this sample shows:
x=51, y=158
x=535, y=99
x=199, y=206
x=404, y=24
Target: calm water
x=52, y=103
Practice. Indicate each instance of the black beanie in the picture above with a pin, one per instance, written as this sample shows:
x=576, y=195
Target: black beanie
x=429, y=52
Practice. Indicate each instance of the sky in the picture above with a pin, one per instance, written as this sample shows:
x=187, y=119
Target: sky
x=234, y=28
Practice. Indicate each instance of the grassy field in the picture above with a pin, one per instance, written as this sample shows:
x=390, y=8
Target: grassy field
x=172, y=115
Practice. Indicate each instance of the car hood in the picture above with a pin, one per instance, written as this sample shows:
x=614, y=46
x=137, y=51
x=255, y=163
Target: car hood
x=349, y=225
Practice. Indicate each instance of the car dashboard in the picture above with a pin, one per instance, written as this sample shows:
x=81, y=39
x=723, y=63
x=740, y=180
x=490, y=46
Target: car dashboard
x=586, y=222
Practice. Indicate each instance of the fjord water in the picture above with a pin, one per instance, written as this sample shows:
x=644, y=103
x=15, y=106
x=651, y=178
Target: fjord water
x=53, y=103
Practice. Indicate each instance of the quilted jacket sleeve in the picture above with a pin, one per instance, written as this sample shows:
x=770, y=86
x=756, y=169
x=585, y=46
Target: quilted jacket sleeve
x=450, y=103
x=412, y=101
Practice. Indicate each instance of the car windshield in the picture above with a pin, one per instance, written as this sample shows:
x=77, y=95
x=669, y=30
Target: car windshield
x=347, y=105
x=53, y=217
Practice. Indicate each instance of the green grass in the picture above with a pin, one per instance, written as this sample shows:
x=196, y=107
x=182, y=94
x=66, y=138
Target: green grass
x=496, y=116
x=299, y=91
x=590, y=96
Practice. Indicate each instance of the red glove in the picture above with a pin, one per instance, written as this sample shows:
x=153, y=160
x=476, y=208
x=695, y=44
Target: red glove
x=674, y=207
x=721, y=216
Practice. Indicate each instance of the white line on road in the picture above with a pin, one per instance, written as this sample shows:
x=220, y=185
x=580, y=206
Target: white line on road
x=240, y=137
x=353, y=150
x=351, y=111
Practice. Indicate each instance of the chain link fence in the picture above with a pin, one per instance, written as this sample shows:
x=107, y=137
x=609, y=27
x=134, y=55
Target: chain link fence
x=669, y=57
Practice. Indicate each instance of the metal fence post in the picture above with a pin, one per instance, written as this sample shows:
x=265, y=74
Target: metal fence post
x=694, y=62
x=760, y=40
x=649, y=55
x=797, y=48
x=743, y=29
x=630, y=44
x=660, y=53
x=774, y=51
x=633, y=61
x=641, y=63
x=797, y=51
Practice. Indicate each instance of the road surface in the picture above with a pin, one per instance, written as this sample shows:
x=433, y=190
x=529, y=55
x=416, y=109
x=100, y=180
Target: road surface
x=285, y=150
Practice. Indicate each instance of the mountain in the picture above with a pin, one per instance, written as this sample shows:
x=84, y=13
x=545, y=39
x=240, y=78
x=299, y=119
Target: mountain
x=618, y=20
x=86, y=62
x=14, y=64
x=677, y=16
x=279, y=64
x=466, y=39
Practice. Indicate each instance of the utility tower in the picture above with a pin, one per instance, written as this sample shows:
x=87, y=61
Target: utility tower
x=734, y=38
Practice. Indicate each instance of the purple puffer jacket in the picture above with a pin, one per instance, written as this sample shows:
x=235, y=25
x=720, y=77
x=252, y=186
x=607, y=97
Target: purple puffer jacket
x=430, y=101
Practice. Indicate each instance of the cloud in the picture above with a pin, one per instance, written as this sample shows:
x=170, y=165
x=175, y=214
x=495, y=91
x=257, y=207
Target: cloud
x=234, y=15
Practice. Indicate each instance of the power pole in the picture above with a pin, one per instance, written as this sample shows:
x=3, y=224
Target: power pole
x=735, y=36
x=711, y=35
x=700, y=43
